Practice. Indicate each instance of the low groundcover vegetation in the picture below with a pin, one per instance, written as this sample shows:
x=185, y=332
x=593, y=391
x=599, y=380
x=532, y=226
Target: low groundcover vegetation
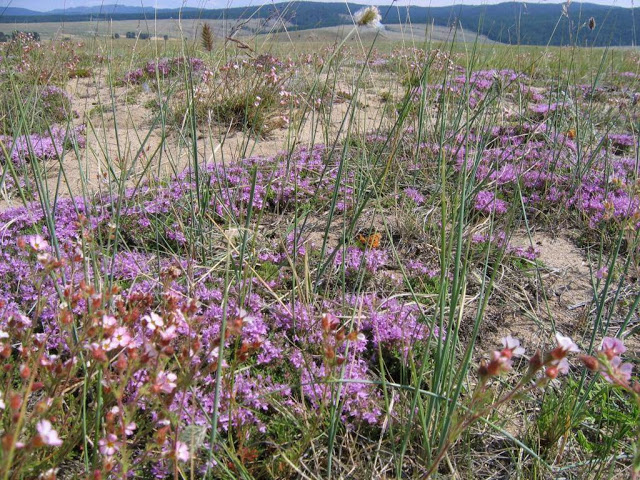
x=377, y=295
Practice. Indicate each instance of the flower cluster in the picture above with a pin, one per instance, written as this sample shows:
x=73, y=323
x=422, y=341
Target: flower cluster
x=542, y=164
x=45, y=146
x=608, y=361
x=551, y=363
x=41, y=63
x=499, y=240
x=56, y=103
x=247, y=92
x=157, y=341
x=164, y=67
x=488, y=203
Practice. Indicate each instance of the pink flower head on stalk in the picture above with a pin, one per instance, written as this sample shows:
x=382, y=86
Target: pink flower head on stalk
x=511, y=346
x=109, y=321
x=120, y=338
x=563, y=366
x=38, y=243
x=165, y=382
x=47, y=435
x=130, y=428
x=556, y=362
x=612, y=347
x=602, y=273
x=180, y=453
x=501, y=360
x=246, y=318
x=153, y=321
x=565, y=346
x=168, y=334
x=615, y=371
x=557, y=367
x=609, y=363
x=109, y=445
x=620, y=373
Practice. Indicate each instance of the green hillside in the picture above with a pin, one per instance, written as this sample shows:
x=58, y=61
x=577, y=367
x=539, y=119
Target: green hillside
x=512, y=22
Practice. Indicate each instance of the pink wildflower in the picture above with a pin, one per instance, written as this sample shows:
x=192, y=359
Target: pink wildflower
x=120, y=338
x=602, y=273
x=47, y=435
x=165, y=382
x=109, y=445
x=620, y=372
x=153, y=321
x=244, y=315
x=180, y=453
x=50, y=474
x=513, y=345
x=129, y=429
x=612, y=347
x=38, y=243
x=168, y=334
x=108, y=321
x=501, y=360
x=563, y=366
x=565, y=346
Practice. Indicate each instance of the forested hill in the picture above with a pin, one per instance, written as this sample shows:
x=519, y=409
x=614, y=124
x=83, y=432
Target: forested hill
x=511, y=22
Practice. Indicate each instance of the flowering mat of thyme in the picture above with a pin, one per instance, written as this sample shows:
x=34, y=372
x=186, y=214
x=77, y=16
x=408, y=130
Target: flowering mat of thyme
x=242, y=320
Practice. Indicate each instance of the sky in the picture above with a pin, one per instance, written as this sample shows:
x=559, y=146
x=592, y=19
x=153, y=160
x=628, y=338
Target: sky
x=44, y=5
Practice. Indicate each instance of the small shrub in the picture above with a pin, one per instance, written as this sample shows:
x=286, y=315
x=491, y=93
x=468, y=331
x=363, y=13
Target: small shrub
x=47, y=106
x=242, y=94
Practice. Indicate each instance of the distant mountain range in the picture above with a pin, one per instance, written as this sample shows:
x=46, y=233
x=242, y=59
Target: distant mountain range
x=73, y=12
x=511, y=22
x=17, y=12
x=102, y=9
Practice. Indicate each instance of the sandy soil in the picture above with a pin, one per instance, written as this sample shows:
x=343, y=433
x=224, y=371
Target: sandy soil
x=124, y=133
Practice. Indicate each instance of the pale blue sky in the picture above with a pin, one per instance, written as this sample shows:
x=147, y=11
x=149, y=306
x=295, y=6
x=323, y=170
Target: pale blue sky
x=44, y=5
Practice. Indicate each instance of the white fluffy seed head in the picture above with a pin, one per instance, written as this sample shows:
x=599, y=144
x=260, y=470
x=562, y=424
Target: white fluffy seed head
x=368, y=17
